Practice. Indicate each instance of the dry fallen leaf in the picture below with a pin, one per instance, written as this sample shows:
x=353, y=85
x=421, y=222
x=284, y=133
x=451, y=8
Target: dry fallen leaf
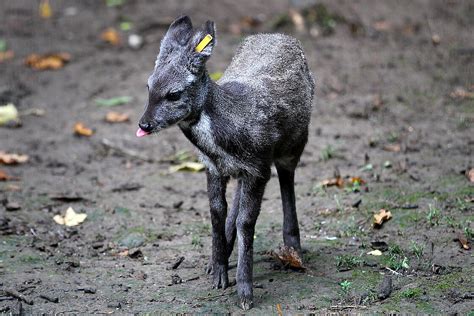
x=297, y=20
x=116, y=117
x=464, y=242
x=9, y=115
x=382, y=216
x=375, y=252
x=289, y=257
x=45, y=9
x=461, y=93
x=47, y=61
x=6, y=55
x=279, y=311
x=358, y=180
x=382, y=26
x=12, y=159
x=81, y=130
x=395, y=148
x=4, y=176
x=187, y=166
x=111, y=36
x=71, y=218
x=338, y=181
x=470, y=175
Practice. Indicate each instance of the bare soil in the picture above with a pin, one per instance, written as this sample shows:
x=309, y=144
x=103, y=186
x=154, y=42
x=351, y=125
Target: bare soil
x=383, y=112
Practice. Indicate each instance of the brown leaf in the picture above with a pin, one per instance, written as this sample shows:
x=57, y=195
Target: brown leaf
x=382, y=216
x=297, y=20
x=116, y=117
x=337, y=181
x=289, y=257
x=6, y=55
x=81, y=130
x=111, y=36
x=464, y=242
x=461, y=93
x=357, y=180
x=12, y=159
x=5, y=176
x=395, y=148
x=48, y=61
x=470, y=175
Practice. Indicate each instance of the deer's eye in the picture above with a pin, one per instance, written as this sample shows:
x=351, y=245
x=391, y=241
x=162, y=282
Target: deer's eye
x=173, y=96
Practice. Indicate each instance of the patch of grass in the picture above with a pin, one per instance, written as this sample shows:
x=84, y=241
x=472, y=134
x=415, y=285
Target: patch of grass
x=345, y=286
x=411, y=293
x=30, y=259
x=196, y=241
x=327, y=153
x=122, y=211
x=468, y=231
x=348, y=262
x=395, y=258
x=351, y=230
x=339, y=205
x=434, y=215
x=393, y=137
x=417, y=249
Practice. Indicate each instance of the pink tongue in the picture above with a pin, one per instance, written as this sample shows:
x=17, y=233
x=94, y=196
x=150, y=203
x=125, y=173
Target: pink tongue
x=141, y=133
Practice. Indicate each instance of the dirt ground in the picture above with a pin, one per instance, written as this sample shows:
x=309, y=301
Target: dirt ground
x=384, y=111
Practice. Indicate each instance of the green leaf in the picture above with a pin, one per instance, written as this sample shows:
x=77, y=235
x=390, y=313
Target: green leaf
x=216, y=76
x=126, y=26
x=113, y=101
x=3, y=45
x=114, y=3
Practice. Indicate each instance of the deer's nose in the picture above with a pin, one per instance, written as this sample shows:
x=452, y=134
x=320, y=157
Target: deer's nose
x=147, y=127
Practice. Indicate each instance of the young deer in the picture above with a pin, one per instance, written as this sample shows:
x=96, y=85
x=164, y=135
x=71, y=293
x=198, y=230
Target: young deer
x=257, y=114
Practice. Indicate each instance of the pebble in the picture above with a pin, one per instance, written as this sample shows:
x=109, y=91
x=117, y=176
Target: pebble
x=135, y=41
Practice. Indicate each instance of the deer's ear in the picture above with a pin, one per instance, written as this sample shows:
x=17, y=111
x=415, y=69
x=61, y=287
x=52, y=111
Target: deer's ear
x=180, y=31
x=201, y=46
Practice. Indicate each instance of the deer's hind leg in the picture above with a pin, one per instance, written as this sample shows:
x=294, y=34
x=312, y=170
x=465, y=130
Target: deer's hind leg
x=291, y=231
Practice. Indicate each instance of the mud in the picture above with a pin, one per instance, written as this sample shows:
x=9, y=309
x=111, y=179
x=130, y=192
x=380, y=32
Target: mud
x=383, y=112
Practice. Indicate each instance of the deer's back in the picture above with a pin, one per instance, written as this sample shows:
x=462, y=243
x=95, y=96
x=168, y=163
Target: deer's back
x=267, y=58
x=275, y=109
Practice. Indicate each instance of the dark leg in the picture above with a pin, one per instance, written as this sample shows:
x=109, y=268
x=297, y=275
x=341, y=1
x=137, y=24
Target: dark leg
x=230, y=229
x=216, y=187
x=250, y=202
x=291, y=232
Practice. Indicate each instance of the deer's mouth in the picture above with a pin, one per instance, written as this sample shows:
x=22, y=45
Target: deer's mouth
x=141, y=133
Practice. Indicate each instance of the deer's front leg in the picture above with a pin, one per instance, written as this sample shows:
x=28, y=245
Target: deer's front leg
x=250, y=202
x=216, y=187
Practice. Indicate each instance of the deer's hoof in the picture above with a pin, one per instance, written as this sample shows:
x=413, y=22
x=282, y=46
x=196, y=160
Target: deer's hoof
x=246, y=303
x=220, y=278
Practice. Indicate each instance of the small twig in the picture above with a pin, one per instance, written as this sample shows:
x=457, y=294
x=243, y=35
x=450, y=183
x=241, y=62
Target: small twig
x=176, y=263
x=124, y=151
x=393, y=271
x=191, y=279
x=213, y=296
x=17, y=295
x=51, y=299
x=342, y=307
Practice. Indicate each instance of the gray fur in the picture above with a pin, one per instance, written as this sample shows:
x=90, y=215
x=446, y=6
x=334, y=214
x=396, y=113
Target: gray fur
x=257, y=114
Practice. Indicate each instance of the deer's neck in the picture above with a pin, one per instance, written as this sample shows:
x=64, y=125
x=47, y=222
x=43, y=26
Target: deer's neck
x=208, y=127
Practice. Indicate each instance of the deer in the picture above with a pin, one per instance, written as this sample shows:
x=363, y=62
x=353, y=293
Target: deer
x=255, y=116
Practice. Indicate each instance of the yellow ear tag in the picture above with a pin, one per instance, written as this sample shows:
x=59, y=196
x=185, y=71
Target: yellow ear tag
x=202, y=44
